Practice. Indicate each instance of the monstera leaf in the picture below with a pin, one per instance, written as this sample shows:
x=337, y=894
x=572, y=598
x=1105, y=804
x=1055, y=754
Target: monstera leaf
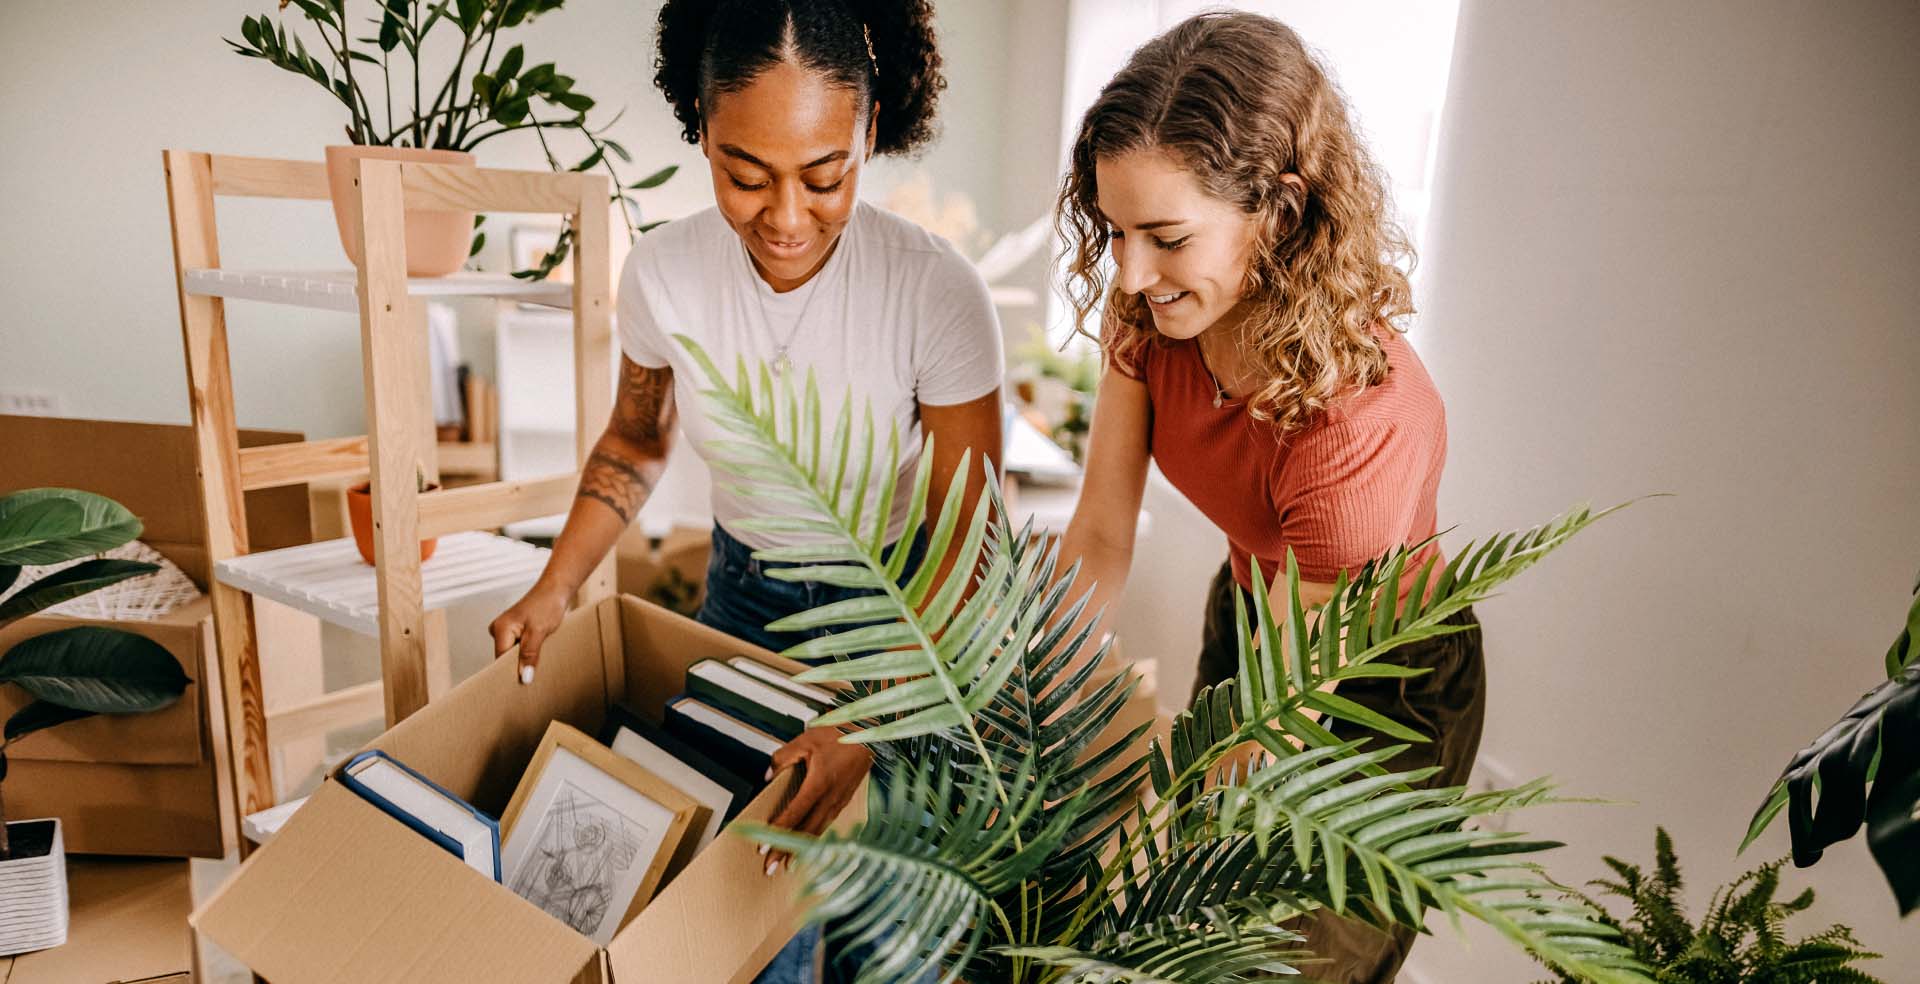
x=48, y=526
x=1865, y=768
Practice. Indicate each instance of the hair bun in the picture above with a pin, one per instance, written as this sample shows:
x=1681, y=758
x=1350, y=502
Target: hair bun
x=907, y=69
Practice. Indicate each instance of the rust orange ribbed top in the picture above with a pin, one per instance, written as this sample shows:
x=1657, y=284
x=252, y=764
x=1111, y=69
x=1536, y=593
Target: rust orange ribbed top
x=1358, y=481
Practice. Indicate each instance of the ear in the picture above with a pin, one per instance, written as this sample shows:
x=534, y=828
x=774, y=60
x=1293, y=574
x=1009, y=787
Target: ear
x=697, y=111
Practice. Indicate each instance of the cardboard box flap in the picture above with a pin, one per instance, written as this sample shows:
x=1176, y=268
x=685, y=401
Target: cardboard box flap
x=150, y=469
x=345, y=893
x=672, y=939
x=502, y=720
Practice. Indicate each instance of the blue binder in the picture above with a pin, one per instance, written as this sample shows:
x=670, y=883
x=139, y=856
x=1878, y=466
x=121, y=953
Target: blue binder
x=451, y=846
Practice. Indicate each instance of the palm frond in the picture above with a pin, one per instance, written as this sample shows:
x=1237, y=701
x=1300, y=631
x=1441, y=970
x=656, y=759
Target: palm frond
x=946, y=653
x=917, y=880
x=1213, y=952
x=1376, y=847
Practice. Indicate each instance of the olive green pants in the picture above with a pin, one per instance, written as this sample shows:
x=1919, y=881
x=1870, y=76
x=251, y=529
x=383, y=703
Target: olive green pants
x=1447, y=704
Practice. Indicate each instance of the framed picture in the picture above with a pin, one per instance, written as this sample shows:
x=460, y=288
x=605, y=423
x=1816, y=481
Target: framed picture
x=589, y=834
x=633, y=736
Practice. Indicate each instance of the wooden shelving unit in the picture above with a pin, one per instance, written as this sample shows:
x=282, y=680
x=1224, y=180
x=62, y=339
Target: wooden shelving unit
x=398, y=599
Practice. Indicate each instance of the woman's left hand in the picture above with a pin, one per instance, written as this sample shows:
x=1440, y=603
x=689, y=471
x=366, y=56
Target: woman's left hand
x=833, y=773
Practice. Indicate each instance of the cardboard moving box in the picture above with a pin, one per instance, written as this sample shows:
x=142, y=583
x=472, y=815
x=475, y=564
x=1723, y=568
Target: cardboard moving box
x=151, y=784
x=147, y=784
x=344, y=893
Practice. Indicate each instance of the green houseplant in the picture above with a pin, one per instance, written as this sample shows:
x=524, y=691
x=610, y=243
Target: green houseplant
x=1742, y=938
x=1864, y=769
x=71, y=673
x=481, y=97
x=1005, y=843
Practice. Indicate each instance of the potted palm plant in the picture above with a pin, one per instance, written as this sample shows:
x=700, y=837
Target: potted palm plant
x=1006, y=841
x=482, y=96
x=70, y=673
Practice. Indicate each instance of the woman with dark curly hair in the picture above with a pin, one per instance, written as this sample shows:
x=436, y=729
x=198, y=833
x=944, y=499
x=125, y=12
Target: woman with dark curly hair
x=787, y=99
x=1250, y=349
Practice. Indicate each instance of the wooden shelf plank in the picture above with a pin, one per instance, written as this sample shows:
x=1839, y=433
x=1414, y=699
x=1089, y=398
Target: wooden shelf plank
x=335, y=290
x=329, y=581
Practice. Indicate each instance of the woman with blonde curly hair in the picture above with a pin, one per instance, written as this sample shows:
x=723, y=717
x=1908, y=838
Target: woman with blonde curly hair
x=1250, y=351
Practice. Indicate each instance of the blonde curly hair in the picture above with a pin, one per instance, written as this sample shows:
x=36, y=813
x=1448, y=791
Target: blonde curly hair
x=1237, y=99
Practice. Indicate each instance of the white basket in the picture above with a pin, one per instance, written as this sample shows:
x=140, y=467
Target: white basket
x=33, y=899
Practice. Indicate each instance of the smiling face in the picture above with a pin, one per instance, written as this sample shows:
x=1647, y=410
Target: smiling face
x=786, y=153
x=1183, y=250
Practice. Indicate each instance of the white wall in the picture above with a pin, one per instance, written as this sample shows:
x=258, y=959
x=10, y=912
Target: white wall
x=92, y=93
x=1674, y=251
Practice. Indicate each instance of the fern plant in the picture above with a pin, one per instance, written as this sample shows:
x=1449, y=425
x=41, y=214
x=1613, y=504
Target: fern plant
x=1742, y=940
x=1006, y=840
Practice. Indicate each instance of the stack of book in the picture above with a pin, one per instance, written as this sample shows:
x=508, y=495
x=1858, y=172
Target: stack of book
x=597, y=827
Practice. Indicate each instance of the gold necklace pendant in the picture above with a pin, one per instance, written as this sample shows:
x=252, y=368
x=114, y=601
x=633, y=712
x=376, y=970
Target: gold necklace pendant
x=781, y=364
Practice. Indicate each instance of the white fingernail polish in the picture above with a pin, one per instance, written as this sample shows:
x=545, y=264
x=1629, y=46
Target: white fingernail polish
x=763, y=850
x=526, y=674
x=772, y=868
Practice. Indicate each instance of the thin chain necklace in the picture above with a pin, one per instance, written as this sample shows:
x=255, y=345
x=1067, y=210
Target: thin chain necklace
x=782, y=361
x=1219, y=391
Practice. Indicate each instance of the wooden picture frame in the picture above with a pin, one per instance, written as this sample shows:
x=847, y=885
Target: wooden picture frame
x=589, y=834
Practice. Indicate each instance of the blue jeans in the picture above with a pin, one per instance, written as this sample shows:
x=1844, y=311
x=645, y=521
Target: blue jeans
x=741, y=600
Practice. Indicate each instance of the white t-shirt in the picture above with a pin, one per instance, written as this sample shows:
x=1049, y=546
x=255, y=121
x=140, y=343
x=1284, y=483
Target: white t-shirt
x=896, y=314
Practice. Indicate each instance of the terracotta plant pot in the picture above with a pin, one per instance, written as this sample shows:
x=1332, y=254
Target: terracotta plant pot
x=437, y=242
x=33, y=888
x=360, y=518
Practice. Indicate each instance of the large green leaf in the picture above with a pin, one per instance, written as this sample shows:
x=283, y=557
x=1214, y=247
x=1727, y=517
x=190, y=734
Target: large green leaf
x=1865, y=768
x=50, y=525
x=96, y=669
x=69, y=583
x=38, y=715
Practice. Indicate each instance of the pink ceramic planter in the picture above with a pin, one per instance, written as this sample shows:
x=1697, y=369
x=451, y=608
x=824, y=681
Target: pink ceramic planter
x=437, y=242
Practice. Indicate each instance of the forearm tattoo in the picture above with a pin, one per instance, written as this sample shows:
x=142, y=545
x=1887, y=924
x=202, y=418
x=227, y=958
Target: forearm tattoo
x=643, y=417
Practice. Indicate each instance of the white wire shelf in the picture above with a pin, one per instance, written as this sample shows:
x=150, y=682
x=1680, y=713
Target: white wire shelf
x=330, y=581
x=337, y=290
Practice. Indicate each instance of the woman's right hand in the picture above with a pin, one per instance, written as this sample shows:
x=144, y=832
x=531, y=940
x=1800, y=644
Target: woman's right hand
x=528, y=623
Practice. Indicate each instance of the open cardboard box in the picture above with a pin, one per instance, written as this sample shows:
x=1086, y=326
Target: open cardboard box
x=344, y=893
